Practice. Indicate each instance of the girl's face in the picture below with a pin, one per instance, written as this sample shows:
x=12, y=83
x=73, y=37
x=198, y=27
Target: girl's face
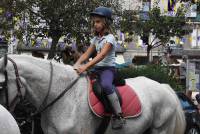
x=98, y=24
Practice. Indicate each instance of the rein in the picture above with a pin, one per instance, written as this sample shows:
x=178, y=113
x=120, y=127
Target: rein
x=41, y=108
x=56, y=99
x=49, y=89
x=18, y=82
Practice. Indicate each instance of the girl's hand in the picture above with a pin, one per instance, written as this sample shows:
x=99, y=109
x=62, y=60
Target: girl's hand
x=81, y=69
x=75, y=66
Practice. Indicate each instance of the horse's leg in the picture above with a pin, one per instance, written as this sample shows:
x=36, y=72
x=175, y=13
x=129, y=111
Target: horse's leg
x=46, y=127
x=167, y=128
x=51, y=125
x=69, y=126
x=77, y=120
x=175, y=124
x=180, y=124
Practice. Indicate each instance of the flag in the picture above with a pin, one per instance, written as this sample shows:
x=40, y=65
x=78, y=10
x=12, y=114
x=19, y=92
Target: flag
x=1, y=10
x=16, y=19
x=183, y=40
x=177, y=41
x=120, y=36
x=127, y=34
x=45, y=42
x=165, y=8
x=175, y=9
x=198, y=38
x=32, y=43
x=171, y=5
x=190, y=39
x=139, y=43
x=125, y=46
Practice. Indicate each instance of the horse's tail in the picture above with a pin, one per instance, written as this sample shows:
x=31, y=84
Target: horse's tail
x=180, y=123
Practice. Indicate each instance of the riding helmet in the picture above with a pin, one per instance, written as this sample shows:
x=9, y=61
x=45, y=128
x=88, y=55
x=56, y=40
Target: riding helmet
x=102, y=11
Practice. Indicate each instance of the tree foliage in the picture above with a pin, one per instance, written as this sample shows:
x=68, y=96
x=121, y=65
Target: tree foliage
x=11, y=19
x=127, y=20
x=56, y=18
x=194, y=2
x=154, y=72
x=161, y=27
x=6, y=18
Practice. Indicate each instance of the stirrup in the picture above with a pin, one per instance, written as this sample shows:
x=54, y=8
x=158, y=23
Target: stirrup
x=117, y=122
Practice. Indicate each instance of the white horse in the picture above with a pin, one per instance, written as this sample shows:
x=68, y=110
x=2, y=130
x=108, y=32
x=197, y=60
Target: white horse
x=8, y=125
x=71, y=114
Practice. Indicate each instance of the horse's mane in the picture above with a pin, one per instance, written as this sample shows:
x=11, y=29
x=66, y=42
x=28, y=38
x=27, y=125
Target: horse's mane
x=38, y=60
x=42, y=63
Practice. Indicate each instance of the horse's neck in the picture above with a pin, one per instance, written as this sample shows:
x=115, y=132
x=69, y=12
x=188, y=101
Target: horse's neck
x=37, y=75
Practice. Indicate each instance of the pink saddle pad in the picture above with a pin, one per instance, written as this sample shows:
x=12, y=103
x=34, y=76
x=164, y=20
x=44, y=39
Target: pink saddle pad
x=131, y=106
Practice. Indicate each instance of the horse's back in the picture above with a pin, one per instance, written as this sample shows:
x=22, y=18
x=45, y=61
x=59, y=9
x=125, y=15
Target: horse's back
x=8, y=125
x=154, y=95
x=151, y=90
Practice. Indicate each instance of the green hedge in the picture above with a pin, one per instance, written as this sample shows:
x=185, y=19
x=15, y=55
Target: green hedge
x=155, y=72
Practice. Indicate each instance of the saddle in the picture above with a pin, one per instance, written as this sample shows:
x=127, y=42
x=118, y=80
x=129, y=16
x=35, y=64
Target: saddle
x=99, y=104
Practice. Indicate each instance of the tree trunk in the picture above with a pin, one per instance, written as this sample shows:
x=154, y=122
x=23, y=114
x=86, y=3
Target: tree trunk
x=149, y=47
x=51, y=53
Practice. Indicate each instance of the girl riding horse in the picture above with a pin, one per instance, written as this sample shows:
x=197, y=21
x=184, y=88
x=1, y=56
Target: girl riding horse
x=104, y=43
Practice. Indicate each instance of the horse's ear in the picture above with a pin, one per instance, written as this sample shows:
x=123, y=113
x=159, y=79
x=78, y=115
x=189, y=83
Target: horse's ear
x=3, y=62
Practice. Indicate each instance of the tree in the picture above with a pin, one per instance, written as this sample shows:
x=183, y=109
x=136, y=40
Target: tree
x=60, y=17
x=162, y=27
x=127, y=20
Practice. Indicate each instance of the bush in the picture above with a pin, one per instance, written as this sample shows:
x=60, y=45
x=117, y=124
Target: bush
x=154, y=72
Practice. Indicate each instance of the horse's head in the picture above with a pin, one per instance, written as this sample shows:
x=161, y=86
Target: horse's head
x=3, y=64
x=8, y=84
x=41, y=80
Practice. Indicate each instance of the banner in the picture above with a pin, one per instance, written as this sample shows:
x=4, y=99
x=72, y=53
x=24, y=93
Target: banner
x=191, y=76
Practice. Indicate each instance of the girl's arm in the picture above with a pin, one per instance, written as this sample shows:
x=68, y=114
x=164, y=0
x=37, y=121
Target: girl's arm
x=86, y=55
x=105, y=50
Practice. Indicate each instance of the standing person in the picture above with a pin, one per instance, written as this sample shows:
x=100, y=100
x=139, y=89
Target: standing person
x=183, y=73
x=104, y=44
x=164, y=59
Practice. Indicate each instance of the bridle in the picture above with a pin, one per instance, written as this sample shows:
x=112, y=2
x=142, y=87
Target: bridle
x=4, y=84
x=42, y=108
